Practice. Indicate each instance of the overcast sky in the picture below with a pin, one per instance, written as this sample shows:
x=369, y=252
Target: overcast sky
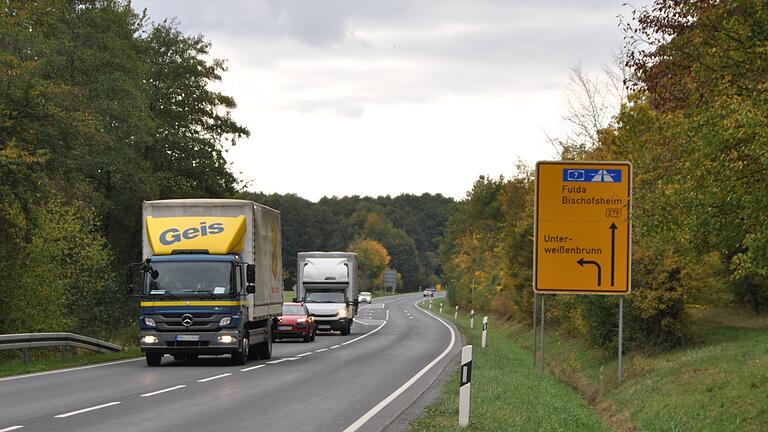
x=377, y=97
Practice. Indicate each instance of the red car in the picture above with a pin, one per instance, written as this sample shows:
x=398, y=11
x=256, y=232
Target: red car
x=296, y=322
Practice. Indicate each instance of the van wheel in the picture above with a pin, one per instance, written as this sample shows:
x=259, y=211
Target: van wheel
x=153, y=359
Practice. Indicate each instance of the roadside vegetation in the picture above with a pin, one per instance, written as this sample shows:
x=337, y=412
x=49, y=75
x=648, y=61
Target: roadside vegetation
x=507, y=394
x=42, y=360
x=718, y=383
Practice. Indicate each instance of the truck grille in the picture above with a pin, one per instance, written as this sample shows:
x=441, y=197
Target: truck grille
x=187, y=343
x=200, y=322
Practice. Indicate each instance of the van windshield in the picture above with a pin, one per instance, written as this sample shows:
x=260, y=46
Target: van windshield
x=325, y=297
x=189, y=277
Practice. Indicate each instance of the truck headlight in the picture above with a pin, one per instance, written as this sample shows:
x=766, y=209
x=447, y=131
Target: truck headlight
x=149, y=322
x=225, y=321
x=227, y=339
x=149, y=339
x=342, y=313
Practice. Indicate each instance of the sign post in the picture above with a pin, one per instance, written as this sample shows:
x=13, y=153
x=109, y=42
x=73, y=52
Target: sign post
x=390, y=279
x=582, y=231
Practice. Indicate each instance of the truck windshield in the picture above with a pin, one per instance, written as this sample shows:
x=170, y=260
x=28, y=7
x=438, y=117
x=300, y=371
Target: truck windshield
x=189, y=277
x=324, y=297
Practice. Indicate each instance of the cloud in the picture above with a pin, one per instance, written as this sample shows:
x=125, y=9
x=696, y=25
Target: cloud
x=473, y=84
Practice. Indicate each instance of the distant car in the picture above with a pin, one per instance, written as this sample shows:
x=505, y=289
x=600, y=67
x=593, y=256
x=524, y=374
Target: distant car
x=296, y=322
x=364, y=297
x=429, y=292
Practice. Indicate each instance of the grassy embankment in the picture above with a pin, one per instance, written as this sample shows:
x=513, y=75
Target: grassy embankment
x=718, y=383
x=42, y=360
x=508, y=394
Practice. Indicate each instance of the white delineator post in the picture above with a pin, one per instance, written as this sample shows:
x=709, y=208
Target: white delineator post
x=464, y=386
x=472, y=318
x=430, y=304
x=456, y=313
x=485, y=330
x=441, y=308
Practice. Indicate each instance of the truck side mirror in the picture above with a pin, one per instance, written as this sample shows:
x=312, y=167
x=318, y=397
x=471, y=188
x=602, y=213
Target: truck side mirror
x=250, y=273
x=250, y=289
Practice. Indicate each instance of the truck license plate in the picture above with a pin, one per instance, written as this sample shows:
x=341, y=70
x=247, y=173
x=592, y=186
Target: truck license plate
x=193, y=338
x=284, y=327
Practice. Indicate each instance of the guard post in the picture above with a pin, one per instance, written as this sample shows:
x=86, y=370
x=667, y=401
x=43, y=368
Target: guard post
x=465, y=385
x=485, y=330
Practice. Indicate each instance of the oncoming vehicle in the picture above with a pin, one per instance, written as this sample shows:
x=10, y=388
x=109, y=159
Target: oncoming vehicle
x=364, y=297
x=296, y=322
x=429, y=292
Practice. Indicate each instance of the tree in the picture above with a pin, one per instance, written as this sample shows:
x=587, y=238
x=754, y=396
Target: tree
x=372, y=260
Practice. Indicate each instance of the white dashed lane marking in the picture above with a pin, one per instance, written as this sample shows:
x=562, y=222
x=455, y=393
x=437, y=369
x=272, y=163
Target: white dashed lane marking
x=84, y=410
x=163, y=391
x=214, y=377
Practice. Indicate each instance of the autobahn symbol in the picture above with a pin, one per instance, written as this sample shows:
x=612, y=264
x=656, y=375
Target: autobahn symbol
x=582, y=228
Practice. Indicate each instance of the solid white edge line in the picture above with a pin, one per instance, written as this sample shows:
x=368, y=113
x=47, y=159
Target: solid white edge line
x=12, y=428
x=87, y=409
x=213, y=378
x=32, y=375
x=381, y=405
x=163, y=391
x=252, y=368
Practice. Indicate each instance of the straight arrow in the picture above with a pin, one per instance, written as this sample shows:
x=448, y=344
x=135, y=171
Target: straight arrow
x=582, y=261
x=613, y=229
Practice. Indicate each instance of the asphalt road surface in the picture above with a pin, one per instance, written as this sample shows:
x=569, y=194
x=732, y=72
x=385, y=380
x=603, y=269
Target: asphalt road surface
x=360, y=382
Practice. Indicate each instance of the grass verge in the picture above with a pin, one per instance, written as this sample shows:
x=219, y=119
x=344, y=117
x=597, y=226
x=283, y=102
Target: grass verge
x=507, y=393
x=719, y=383
x=42, y=360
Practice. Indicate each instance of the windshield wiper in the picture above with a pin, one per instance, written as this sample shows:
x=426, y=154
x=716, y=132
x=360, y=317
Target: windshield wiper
x=210, y=294
x=164, y=293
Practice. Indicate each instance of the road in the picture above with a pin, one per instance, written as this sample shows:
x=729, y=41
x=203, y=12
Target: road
x=359, y=382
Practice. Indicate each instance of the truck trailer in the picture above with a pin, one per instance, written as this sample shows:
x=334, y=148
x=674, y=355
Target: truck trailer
x=327, y=284
x=211, y=279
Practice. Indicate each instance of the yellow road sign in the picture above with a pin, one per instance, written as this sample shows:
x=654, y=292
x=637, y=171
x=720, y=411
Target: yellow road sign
x=582, y=228
x=438, y=287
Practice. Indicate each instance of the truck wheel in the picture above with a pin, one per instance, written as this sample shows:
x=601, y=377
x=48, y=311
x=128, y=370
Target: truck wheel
x=346, y=329
x=153, y=359
x=240, y=357
x=264, y=349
